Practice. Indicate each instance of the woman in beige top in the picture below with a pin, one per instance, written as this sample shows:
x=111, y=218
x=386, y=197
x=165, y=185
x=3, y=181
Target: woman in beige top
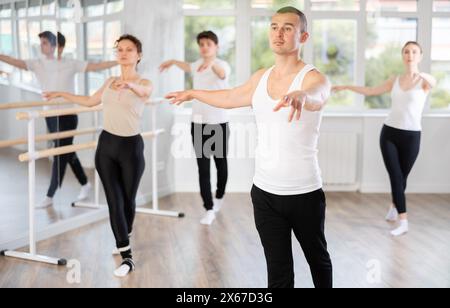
x=120, y=154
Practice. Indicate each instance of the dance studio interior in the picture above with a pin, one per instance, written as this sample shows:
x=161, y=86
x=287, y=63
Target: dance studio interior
x=224, y=144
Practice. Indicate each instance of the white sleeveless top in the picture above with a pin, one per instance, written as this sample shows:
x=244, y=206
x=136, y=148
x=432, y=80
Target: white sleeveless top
x=407, y=107
x=287, y=153
x=122, y=112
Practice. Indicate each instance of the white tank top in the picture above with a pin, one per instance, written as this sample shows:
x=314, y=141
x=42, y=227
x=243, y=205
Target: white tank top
x=287, y=153
x=122, y=112
x=407, y=107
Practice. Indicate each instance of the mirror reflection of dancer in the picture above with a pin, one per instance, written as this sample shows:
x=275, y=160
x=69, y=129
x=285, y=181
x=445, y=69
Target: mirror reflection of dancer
x=58, y=74
x=120, y=153
x=287, y=193
x=401, y=134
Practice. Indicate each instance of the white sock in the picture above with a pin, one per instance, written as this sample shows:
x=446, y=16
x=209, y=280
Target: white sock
x=402, y=229
x=116, y=251
x=84, y=192
x=125, y=268
x=209, y=217
x=392, y=215
x=218, y=203
x=47, y=202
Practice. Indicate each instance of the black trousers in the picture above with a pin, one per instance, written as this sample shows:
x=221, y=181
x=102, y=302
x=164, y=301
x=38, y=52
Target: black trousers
x=211, y=140
x=120, y=163
x=61, y=124
x=276, y=218
x=400, y=149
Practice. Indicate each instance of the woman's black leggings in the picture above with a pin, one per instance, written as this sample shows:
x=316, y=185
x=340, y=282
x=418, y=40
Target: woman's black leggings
x=62, y=124
x=211, y=140
x=120, y=163
x=400, y=150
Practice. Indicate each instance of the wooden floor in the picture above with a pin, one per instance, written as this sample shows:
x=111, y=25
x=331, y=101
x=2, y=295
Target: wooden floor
x=182, y=253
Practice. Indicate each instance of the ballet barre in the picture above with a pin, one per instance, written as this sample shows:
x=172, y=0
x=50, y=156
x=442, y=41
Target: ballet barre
x=25, y=105
x=67, y=111
x=26, y=157
x=33, y=155
x=50, y=137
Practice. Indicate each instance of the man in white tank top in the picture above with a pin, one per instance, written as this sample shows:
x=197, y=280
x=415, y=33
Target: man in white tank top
x=287, y=196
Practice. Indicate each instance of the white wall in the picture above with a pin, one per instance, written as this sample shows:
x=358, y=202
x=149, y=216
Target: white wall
x=10, y=128
x=430, y=175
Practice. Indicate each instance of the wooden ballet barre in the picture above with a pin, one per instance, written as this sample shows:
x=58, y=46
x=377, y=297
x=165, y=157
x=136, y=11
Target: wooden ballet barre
x=70, y=111
x=55, y=113
x=23, y=105
x=50, y=137
x=26, y=157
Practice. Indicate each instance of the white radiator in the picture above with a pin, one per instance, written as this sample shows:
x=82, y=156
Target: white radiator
x=338, y=158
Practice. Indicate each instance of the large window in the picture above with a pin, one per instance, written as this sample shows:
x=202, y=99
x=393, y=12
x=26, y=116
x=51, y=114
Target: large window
x=384, y=42
x=224, y=27
x=441, y=63
x=352, y=41
x=336, y=5
x=276, y=4
x=392, y=5
x=441, y=6
x=6, y=33
x=90, y=38
x=335, y=53
x=102, y=28
x=208, y=4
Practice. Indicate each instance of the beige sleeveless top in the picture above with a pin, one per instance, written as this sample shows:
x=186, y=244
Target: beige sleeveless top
x=122, y=112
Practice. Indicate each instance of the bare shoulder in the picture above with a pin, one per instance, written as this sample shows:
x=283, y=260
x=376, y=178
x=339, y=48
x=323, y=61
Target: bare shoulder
x=256, y=78
x=314, y=77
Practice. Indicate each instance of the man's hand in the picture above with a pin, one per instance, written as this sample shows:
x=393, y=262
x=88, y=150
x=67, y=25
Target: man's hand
x=296, y=101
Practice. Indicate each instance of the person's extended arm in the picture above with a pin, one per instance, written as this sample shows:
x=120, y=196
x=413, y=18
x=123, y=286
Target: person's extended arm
x=20, y=64
x=94, y=67
x=226, y=99
x=86, y=101
x=186, y=67
x=386, y=87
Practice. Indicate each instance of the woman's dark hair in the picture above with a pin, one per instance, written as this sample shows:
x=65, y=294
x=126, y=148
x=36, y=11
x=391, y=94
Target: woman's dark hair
x=412, y=43
x=133, y=39
x=61, y=40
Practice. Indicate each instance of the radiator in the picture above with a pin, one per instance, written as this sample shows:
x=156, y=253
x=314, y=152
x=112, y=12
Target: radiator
x=338, y=158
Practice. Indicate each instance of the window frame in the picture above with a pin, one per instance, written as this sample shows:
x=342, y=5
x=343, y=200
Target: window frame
x=82, y=81
x=244, y=13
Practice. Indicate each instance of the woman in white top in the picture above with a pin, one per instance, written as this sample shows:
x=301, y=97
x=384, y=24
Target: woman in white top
x=120, y=153
x=401, y=134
